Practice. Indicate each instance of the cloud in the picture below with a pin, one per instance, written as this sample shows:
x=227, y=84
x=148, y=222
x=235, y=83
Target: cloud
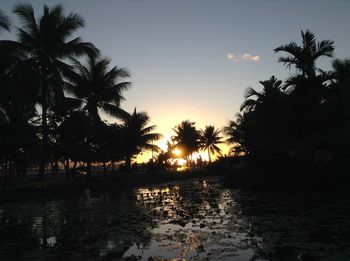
x=243, y=57
x=231, y=56
x=249, y=57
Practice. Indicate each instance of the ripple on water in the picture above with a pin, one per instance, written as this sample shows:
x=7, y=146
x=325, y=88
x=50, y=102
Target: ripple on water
x=190, y=220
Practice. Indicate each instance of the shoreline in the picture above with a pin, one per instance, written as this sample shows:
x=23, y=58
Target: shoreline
x=59, y=186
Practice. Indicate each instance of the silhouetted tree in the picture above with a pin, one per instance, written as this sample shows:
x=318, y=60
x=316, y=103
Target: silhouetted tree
x=237, y=131
x=209, y=139
x=304, y=57
x=98, y=88
x=137, y=136
x=46, y=43
x=186, y=138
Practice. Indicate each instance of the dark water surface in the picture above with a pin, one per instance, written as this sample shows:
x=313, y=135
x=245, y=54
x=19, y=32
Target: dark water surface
x=186, y=220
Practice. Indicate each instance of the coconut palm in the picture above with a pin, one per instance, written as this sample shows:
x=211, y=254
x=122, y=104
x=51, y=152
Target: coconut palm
x=137, y=136
x=342, y=70
x=98, y=88
x=47, y=42
x=186, y=138
x=304, y=57
x=209, y=139
x=341, y=86
x=237, y=131
x=270, y=94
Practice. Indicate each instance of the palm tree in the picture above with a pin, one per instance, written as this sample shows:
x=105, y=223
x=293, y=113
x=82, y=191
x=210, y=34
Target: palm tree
x=342, y=76
x=137, y=136
x=342, y=70
x=98, y=88
x=46, y=43
x=4, y=21
x=186, y=138
x=304, y=57
x=237, y=133
x=209, y=139
x=270, y=94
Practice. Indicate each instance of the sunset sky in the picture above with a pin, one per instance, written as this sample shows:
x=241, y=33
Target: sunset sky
x=193, y=59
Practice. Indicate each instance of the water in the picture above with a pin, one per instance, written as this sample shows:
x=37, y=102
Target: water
x=187, y=220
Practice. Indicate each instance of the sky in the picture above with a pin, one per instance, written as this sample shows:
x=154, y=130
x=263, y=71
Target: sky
x=193, y=59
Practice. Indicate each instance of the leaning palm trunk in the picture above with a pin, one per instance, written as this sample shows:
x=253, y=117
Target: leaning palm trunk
x=67, y=169
x=88, y=140
x=43, y=155
x=209, y=157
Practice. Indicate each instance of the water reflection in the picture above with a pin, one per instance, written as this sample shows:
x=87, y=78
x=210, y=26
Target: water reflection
x=190, y=220
x=195, y=221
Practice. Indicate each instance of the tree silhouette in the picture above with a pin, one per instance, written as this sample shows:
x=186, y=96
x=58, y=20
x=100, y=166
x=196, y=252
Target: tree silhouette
x=209, y=139
x=186, y=138
x=304, y=57
x=98, y=88
x=137, y=136
x=46, y=43
x=270, y=94
x=237, y=131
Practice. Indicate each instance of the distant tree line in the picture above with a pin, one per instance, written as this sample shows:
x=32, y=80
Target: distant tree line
x=303, y=121
x=189, y=140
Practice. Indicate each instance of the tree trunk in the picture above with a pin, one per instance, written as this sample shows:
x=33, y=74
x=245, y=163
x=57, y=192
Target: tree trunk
x=67, y=169
x=88, y=171
x=11, y=170
x=56, y=166
x=209, y=156
x=43, y=156
x=128, y=164
x=104, y=169
x=5, y=177
x=52, y=167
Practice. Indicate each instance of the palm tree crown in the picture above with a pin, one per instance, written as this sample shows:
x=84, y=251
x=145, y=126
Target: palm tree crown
x=209, y=139
x=270, y=93
x=304, y=57
x=137, y=136
x=237, y=132
x=98, y=86
x=187, y=137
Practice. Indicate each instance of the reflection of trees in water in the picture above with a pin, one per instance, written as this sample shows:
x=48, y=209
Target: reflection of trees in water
x=27, y=227
x=193, y=219
x=205, y=220
x=180, y=203
x=291, y=227
x=57, y=229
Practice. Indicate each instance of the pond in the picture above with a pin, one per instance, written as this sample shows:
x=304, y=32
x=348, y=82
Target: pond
x=185, y=220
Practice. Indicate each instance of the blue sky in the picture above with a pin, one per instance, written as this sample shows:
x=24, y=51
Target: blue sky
x=177, y=51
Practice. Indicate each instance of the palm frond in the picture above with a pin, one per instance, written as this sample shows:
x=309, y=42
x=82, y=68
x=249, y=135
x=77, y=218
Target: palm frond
x=114, y=111
x=26, y=14
x=248, y=92
x=4, y=21
x=248, y=105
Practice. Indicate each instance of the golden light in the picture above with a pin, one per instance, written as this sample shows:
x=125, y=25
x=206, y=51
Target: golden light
x=177, y=152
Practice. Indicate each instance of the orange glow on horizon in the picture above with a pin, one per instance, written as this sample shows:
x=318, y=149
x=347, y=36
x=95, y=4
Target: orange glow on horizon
x=146, y=156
